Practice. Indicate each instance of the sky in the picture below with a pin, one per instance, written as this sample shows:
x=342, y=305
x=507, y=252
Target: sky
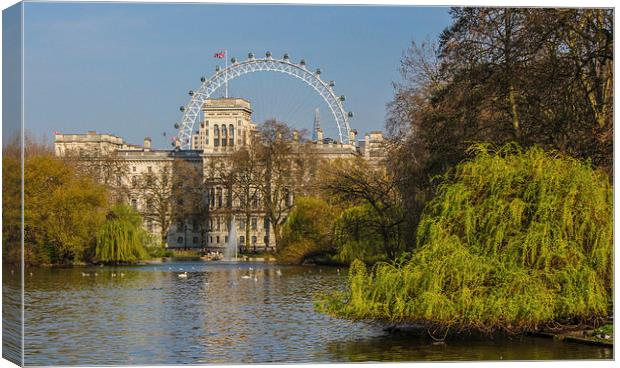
x=125, y=68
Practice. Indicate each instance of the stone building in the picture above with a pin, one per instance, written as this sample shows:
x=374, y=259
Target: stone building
x=225, y=128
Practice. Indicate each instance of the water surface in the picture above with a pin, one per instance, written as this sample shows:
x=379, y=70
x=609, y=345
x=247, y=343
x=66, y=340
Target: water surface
x=225, y=313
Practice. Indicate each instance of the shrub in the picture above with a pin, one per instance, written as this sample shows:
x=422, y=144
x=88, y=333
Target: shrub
x=512, y=240
x=307, y=230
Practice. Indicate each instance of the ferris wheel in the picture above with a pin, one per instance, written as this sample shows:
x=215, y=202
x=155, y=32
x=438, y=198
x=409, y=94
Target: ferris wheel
x=335, y=103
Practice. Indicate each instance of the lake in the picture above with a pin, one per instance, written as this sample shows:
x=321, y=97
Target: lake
x=222, y=313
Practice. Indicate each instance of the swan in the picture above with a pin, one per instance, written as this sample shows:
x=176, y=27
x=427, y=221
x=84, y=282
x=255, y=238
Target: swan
x=183, y=275
x=278, y=272
x=85, y=274
x=122, y=274
x=246, y=277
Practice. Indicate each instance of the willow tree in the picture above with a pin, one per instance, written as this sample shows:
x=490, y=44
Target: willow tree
x=513, y=240
x=121, y=236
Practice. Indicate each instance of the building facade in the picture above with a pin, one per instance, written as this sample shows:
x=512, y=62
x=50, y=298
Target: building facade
x=225, y=128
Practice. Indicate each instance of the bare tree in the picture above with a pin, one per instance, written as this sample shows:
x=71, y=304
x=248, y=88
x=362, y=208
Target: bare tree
x=356, y=182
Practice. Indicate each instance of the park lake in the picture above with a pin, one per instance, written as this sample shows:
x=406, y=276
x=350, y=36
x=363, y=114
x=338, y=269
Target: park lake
x=223, y=312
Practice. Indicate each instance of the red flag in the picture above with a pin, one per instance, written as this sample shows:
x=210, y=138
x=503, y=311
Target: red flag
x=219, y=55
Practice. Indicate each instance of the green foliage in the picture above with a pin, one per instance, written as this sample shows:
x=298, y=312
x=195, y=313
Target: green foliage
x=121, y=238
x=307, y=230
x=513, y=240
x=354, y=238
x=62, y=209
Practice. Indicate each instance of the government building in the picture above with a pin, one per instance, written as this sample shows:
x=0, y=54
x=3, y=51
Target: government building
x=225, y=128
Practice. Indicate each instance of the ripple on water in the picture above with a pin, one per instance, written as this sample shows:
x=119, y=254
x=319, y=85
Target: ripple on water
x=151, y=316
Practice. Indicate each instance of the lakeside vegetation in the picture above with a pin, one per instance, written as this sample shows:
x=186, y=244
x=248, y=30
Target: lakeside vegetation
x=512, y=240
x=501, y=158
x=69, y=217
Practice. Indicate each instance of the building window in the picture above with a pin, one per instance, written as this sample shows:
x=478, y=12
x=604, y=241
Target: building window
x=218, y=226
x=254, y=240
x=254, y=223
x=226, y=239
x=217, y=238
x=266, y=240
x=266, y=223
x=210, y=240
x=242, y=239
x=224, y=135
x=231, y=135
x=219, y=197
x=180, y=240
x=149, y=169
x=134, y=181
x=133, y=169
x=134, y=203
x=216, y=135
x=195, y=240
x=242, y=224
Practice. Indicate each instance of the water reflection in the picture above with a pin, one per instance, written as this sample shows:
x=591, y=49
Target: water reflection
x=223, y=313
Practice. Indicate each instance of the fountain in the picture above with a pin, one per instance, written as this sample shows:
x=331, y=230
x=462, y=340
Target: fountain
x=230, y=252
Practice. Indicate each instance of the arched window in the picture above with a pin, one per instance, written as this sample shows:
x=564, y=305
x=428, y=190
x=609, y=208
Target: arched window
x=231, y=135
x=134, y=181
x=219, y=197
x=242, y=239
x=224, y=135
x=216, y=135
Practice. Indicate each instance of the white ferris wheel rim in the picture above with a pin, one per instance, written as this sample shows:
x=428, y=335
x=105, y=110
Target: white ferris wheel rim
x=191, y=111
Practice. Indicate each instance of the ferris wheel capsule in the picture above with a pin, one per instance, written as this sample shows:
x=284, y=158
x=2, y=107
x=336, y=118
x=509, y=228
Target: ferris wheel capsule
x=285, y=57
x=318, y=71
x=217, y=68
x=268, y=54
x=251, y=55
x=203, y=79
x=342, y=98
x=182, y=108
x=191, y=93
x=233, y=60
x=302, y=62
x=176, y=126
x=350, y=114
x=331, y=83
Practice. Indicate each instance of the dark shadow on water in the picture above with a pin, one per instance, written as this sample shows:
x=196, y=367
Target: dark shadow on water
x=399, y=348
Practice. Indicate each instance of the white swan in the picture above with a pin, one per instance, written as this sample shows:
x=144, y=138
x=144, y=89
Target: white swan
x=183, y=275
x=278, y=272
x=246, y=277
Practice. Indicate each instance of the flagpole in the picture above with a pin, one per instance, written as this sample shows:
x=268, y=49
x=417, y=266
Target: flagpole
x=226, y=71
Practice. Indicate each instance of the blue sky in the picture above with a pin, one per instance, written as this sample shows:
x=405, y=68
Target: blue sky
x=126, y=68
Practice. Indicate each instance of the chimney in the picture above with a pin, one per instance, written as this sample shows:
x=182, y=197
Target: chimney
x=147, y=144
